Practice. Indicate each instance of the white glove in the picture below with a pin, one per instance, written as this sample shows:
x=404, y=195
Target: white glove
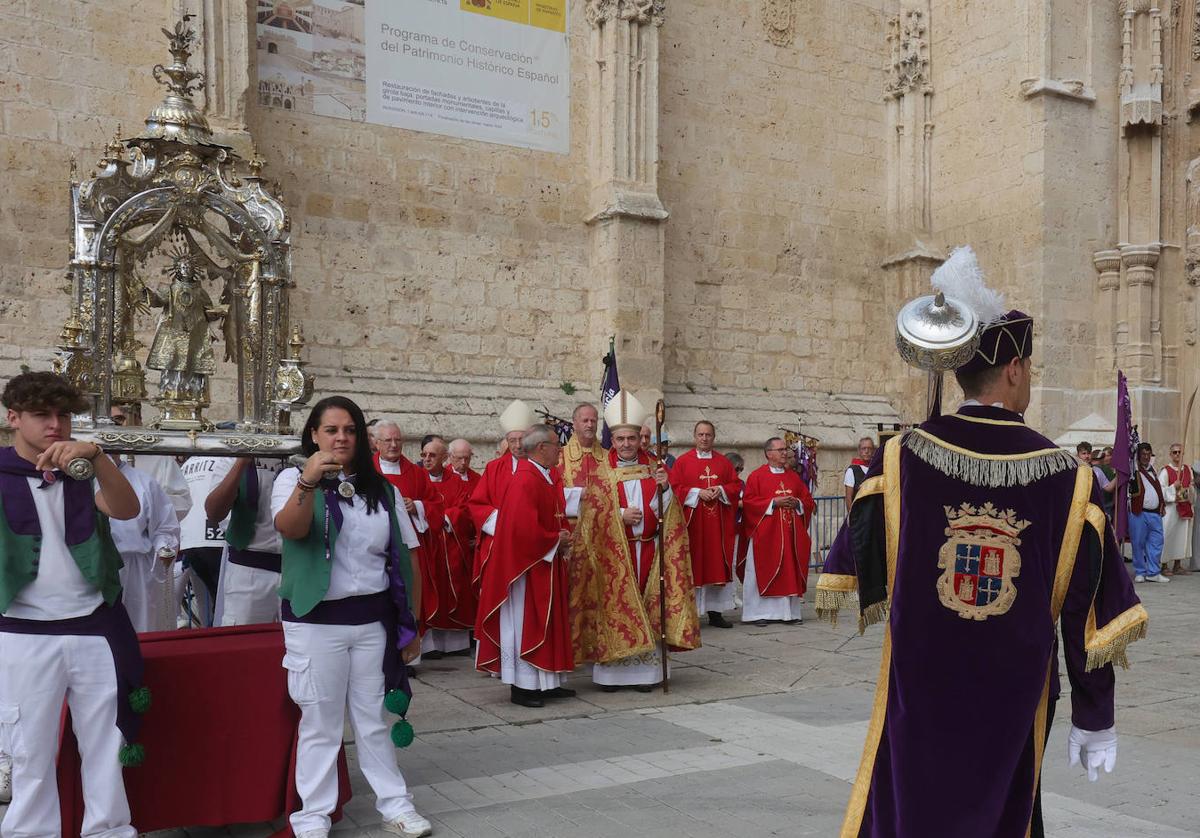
x=1092, y=748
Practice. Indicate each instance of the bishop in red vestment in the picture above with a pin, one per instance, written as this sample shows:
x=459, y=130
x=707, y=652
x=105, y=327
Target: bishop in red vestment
x=523, y=629
x=776, y=510
x=708, y=486
x=485, y=500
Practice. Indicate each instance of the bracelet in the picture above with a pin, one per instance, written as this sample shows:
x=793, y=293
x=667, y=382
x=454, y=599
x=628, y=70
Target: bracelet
x=304, y=485
x=99, y=451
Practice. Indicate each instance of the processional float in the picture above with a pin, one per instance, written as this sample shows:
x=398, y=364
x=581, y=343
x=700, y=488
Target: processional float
x=173, y=201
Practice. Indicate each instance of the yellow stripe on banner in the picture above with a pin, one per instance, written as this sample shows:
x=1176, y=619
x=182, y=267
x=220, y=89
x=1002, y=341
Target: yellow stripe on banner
x=1039, y=743
x=866, y=767
x=1076, y=518
x=870, y=486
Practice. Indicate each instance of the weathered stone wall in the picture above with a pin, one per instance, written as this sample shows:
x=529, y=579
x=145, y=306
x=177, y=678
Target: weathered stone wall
x=438, y=278
x=772, y=168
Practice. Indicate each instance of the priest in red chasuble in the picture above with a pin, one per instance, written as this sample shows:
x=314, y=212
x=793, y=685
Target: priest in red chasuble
x=450, y=629
x=615, y=589
x=523, y=628
x=776, y=510
x=422, y=502
x=708, y=487
x=484, y=503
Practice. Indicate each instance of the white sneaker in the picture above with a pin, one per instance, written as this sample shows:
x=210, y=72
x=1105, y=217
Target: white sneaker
x=410, y=825
x=6, y=784
x=314, y=833
x=1139, y=578
x=1158, y=577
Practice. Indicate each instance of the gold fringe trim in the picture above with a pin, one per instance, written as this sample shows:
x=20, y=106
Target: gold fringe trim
x=828, y=603
x=1108, y=645
x=990, y=470
x=871, y=615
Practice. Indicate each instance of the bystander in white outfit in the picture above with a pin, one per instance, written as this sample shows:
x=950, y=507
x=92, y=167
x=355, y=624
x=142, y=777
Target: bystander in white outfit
x=148, y=545
x=248, y=590
x=330, y=666
x=39, y=671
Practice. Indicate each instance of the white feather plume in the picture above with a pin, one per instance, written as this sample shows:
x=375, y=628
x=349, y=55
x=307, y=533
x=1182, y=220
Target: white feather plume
x=961, y=277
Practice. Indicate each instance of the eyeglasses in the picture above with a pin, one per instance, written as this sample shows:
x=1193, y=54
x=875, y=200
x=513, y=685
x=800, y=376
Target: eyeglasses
x=1176, y=451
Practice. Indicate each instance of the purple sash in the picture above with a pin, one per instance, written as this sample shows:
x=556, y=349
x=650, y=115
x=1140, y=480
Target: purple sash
x=112, y=623
x=256, y=559
x=79, y=501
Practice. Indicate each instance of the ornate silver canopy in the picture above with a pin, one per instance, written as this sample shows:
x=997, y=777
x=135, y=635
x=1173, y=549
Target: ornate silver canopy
x=174, y=201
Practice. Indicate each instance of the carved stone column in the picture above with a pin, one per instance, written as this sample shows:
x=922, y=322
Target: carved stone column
x=1143, y=341
x=1139, y=198
x=908, y=97
x=225, y=30
x=626, y=213
x=1108, y=266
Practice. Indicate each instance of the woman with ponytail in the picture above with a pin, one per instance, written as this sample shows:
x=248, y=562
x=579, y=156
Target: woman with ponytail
x=349, y=593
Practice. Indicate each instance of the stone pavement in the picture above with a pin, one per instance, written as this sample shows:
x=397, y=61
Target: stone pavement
x=760, y=735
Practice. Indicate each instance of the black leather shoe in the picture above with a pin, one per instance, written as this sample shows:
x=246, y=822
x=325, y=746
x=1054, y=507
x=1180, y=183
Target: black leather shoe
x=609, y=688
x=432, y=656
x=643, y=688
x=526, y=698
x=715, y=619
x=558, y=692
x=760, y=623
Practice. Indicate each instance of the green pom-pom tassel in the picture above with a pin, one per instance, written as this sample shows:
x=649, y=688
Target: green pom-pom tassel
x=402, y=734
x=131, y=756
x=139, y=700
x=397, y=702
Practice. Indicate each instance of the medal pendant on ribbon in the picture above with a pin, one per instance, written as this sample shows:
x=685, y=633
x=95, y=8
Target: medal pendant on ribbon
x=81, y=468
x=346, y=489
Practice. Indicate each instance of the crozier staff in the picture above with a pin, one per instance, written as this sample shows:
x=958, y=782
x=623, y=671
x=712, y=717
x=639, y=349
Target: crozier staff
x=350, y=590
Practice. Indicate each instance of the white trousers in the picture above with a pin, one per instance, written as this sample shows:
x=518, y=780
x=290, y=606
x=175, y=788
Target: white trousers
x=714, y=598
x=246, y=595
x=513, y=668
x=757, y=607
x=37, y=672
x=145, y=590
x=445, y=640
x=328, y=666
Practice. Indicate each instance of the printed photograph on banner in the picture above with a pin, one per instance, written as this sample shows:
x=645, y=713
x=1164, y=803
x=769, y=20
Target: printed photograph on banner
x=311, y=57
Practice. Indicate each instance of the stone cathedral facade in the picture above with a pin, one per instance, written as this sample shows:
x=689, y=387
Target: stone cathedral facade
x=752, y=189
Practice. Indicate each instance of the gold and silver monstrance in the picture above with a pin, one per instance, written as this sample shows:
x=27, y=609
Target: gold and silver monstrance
x=173, y=202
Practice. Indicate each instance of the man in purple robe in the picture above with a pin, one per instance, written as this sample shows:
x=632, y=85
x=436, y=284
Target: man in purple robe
x=971, y=538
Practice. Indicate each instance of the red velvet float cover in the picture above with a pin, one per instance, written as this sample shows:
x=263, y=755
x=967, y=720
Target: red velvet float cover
x=220, y=737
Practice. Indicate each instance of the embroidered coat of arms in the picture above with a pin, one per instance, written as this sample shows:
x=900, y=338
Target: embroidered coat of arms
x=980, y=560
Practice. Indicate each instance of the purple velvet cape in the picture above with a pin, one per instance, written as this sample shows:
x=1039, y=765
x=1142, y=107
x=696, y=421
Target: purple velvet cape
x=955, y=742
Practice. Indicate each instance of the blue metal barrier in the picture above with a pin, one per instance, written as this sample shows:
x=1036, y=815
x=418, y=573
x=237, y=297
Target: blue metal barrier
x=827, y=520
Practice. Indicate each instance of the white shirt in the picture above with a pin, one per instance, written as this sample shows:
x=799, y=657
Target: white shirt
x=849, y=479
x=1149, y=496
x=59, y=592
x=167, y=473
x=196, y=530
x=155, y=527
x=360, y=553
x=266, y=537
